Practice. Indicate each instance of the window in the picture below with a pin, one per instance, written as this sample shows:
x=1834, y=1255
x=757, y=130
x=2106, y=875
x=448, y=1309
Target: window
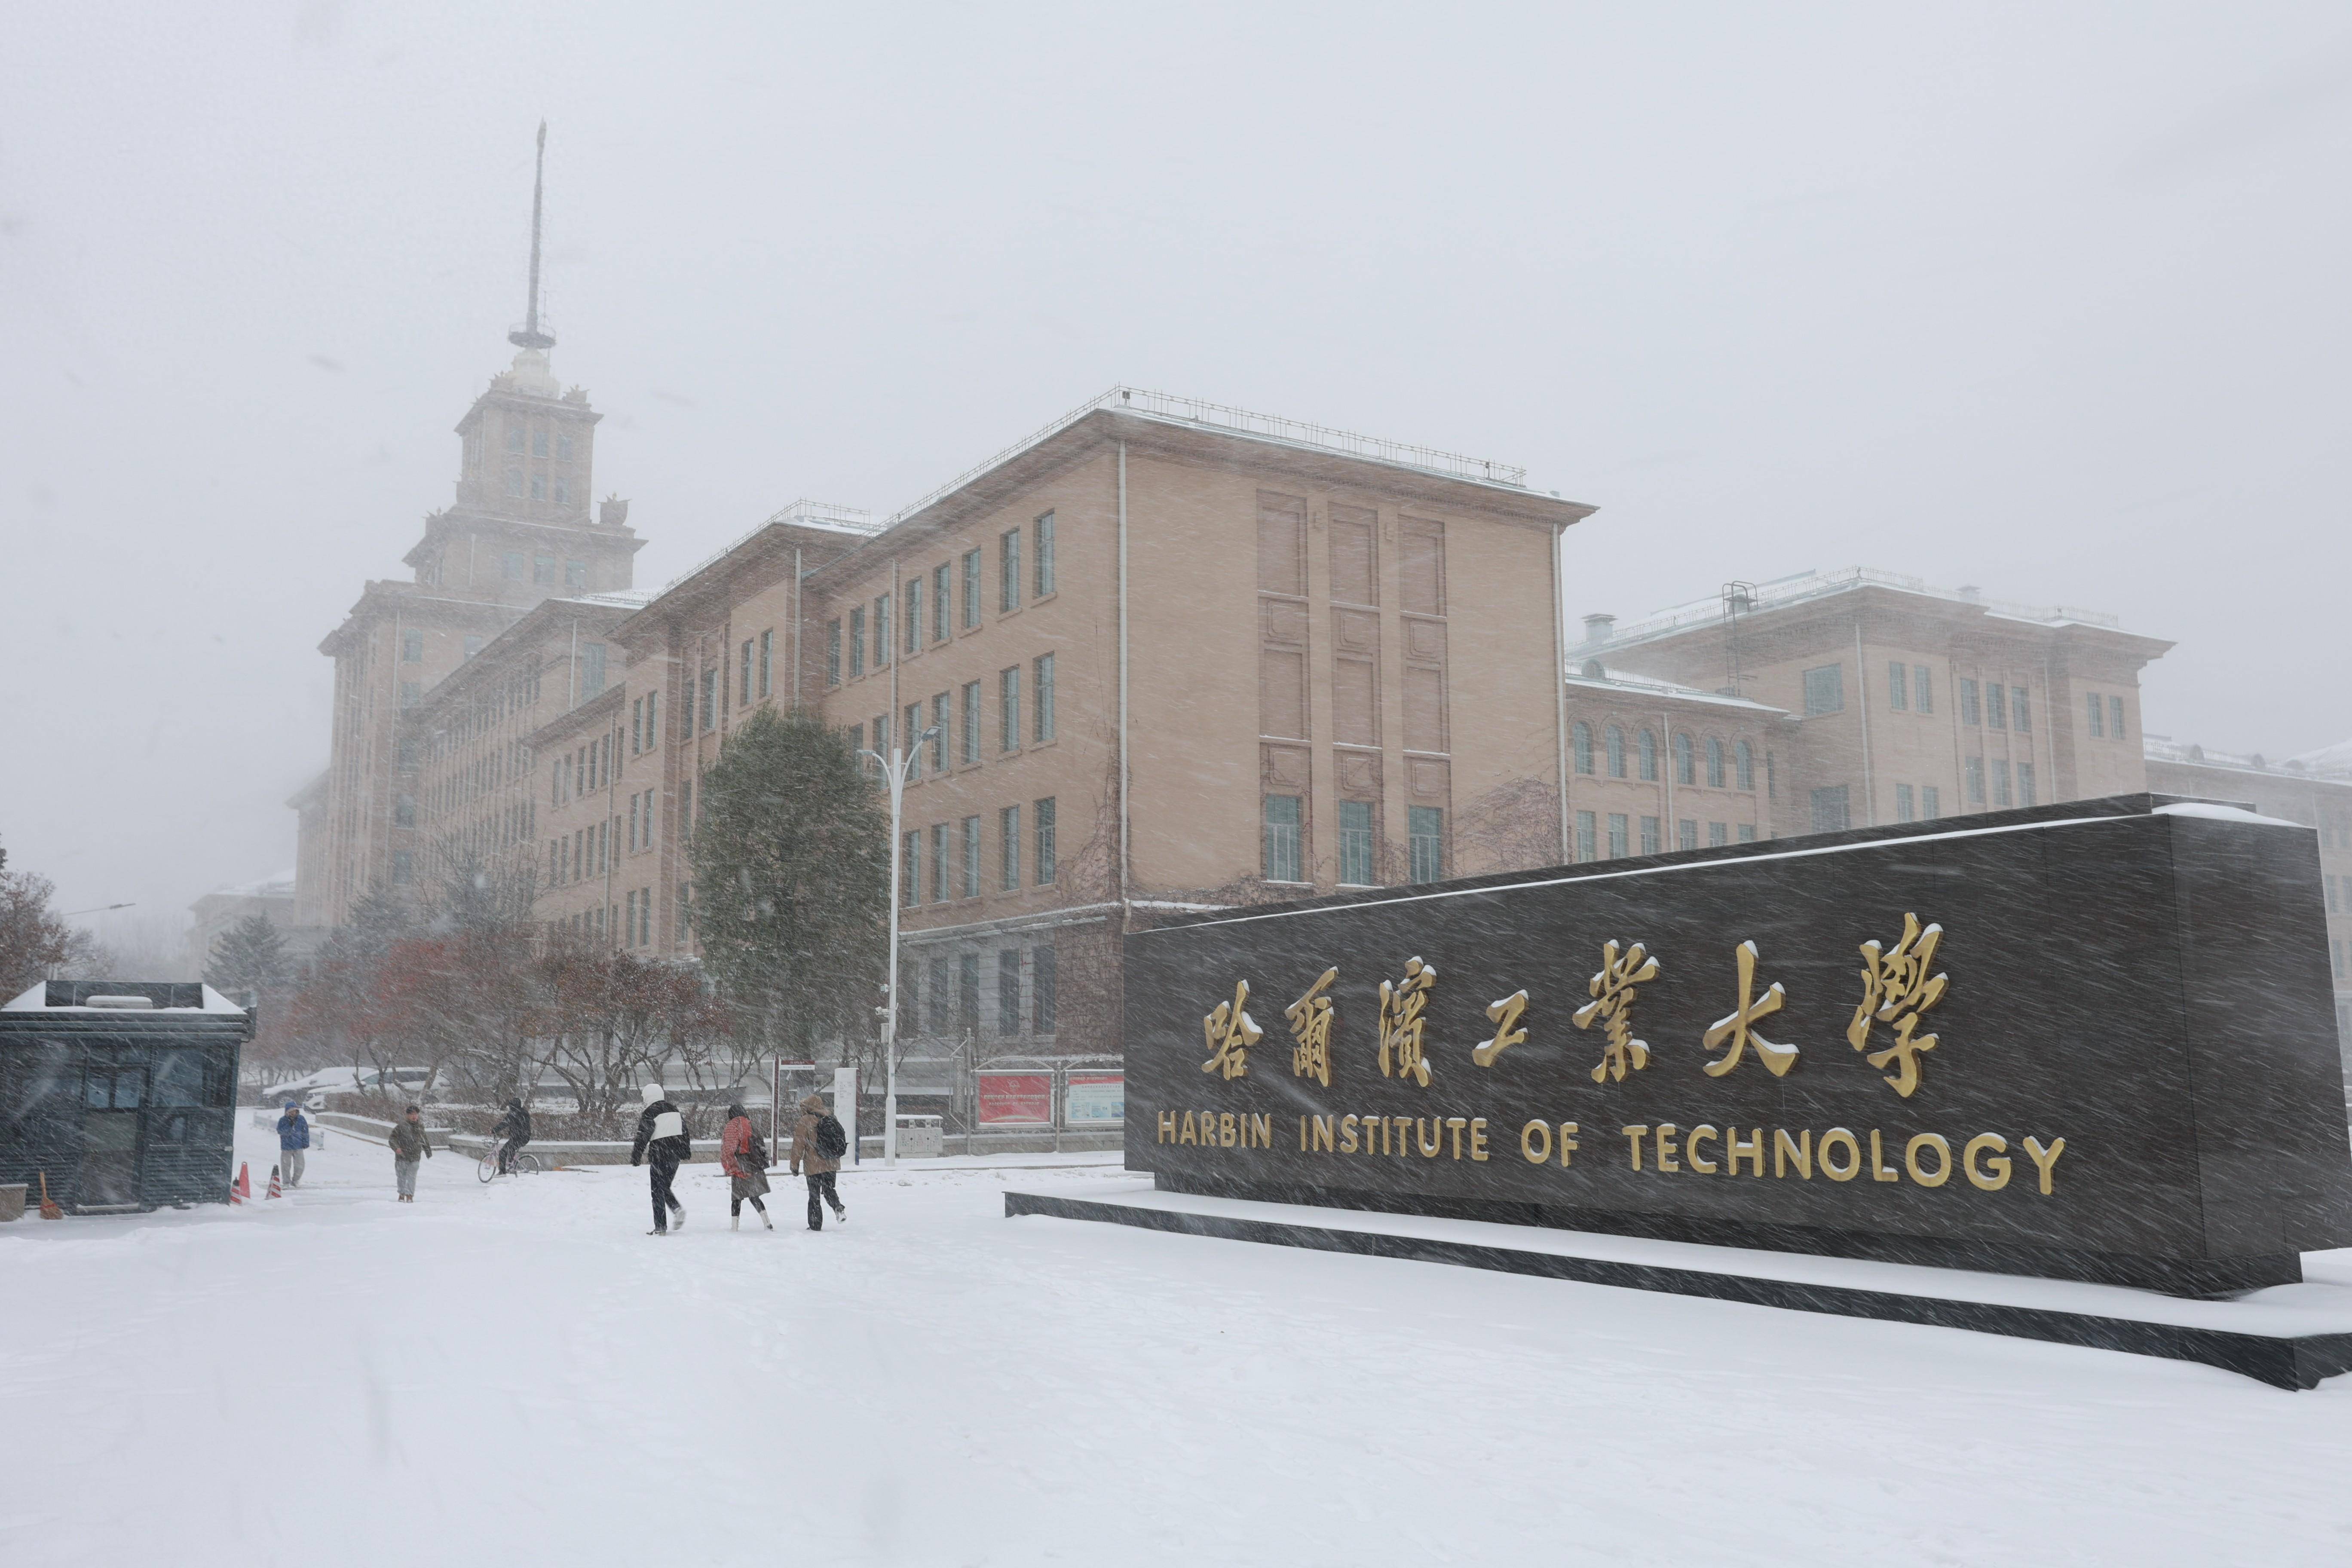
x=971, y=589
x=539, y=487
x=653, y=719
x=1931, y=803
x=1651, y=842
x=514, y=481
x=743, y=679
x=1618, y=847
x=1996, y=705
x=1685, y=772
x=1716, y=833
x=914, y=615
x=910, y=868
x=1008, y=571
x=1282, y=849
x=1976, y=781
x=411, y=692
x=1969, y=702
x=1042, y=977
x=1042, y=825
x=411, y=652
x=1715, y=776
x=1747, y=833
x=563, y=448
x=1898, y=687
x=575, y=573
x=1615, y=738
x=1686, y=833
x=2020, y=714
x=514, y=436
x=1008, y=847
x=942, y=998
x=1008, y=709
x=968, y=993
x=1902, y=803
x=402, y=867
x=939, y=579
x=833, y=652
x=2025, y=795
x=1771, y=777
x=914, y=733
x=881, y=631
x=2099, y=725
x=2115, y=717
x=1041, y=696
x=1585, y=849
x=1744, y=766
x=511, y=567
x=971, y=721
x=637, y=726
x=1008, y=991
x=710, y=699
x=2001, y=798
x=970, y=858
x=404, y=811
x=857, y=641
x=882, y=735
x=1356, y=843
x=1825, y=690
x=1649, y=748
x=856, y=733
x=539, y=442
x=939, y=733
x=938, y=862
x=1425, y=842
x=1584, y=737
x=1043, y=554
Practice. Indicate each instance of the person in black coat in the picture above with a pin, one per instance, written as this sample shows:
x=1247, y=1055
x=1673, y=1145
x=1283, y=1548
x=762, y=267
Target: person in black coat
x=661, y=1138
x=513, y=1125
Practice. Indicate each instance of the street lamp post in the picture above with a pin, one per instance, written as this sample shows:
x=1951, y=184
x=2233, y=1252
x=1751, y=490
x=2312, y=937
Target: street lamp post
x=895, y=768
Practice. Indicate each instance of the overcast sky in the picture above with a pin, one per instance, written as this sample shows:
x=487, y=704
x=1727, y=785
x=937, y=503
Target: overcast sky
x=2045, y=298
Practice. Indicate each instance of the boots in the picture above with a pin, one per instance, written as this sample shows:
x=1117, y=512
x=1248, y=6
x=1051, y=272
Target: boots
x=735, y=1222
x=766, y=1221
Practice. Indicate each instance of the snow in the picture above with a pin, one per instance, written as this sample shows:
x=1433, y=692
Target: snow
x=516, y=1373
x=2225, y=814
x=36, y=999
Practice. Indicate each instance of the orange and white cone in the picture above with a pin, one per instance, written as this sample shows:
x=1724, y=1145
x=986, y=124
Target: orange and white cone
x=275, y=1191
x=241, y=1190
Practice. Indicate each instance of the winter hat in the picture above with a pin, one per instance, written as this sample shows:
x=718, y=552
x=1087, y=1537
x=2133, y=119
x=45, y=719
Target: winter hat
x=813, y=1104
x=736, y=1109
x=653, y=1092
x=291, y=1105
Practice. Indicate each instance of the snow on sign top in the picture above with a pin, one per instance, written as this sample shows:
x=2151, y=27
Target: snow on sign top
x=121, y=998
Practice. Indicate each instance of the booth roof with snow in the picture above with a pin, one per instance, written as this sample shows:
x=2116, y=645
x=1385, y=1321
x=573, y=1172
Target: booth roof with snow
x=121, y=1093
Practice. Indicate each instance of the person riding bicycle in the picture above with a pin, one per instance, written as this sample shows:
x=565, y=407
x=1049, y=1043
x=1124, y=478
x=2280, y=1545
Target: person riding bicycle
x=514, y=1126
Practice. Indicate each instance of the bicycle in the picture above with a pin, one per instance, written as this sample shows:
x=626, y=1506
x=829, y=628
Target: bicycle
x=524, y=1163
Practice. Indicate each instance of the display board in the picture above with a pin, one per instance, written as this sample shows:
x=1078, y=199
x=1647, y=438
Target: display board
x=1014, y=1098
x=2092, y=1041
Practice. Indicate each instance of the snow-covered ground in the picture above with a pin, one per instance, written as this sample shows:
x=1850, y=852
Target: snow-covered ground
x=517, y=1374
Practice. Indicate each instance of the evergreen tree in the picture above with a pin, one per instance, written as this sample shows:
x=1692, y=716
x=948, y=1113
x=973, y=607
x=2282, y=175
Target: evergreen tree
x=790, y=859
x=249, y=959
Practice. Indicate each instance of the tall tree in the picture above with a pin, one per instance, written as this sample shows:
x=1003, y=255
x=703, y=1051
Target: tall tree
x=249, y=959
x=790, y=860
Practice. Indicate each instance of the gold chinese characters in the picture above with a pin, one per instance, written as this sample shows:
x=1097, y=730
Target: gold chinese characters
x=1505, y=1014
x=1896, y=989
x=1402, y=1054
x=1310, y=1031
x=1231, y=1032
x=1614, y=994
x=1735, y=1029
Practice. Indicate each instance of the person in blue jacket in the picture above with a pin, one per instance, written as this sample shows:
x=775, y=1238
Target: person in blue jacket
x=293, y=1137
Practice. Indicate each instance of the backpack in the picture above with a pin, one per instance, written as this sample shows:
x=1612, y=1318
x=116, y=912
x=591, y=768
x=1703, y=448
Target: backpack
x=755, y=1153
x=831, y=1142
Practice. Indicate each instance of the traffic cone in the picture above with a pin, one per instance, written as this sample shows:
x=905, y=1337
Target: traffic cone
x=275, y=1191
x=241, y=1190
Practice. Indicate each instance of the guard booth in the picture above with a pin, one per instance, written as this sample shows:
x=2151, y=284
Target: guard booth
x=121, y=1092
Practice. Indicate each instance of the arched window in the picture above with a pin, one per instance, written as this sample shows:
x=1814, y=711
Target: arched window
x=1745, y=760
x=1684, y=773
x=1584, y=747
x=1649, y=757
x=1715, y=761
x=1616, y=752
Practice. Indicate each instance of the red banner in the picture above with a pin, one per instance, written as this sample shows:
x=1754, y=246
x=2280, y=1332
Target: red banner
x=1015, y=1099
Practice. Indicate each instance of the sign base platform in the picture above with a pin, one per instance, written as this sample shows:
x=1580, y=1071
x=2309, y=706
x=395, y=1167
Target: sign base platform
x=2289, y=1336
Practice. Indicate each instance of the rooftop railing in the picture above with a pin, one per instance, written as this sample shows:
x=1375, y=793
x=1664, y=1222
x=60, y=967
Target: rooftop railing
x=1807, y=585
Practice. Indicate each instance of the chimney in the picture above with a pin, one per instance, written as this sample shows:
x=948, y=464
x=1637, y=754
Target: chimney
x=1598, y=628
x=612, y=512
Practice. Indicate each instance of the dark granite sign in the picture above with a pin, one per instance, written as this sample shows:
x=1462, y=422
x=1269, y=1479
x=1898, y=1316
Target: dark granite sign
x=2093, y=1040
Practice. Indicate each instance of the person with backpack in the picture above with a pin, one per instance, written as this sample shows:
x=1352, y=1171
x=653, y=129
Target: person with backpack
x=661, y=1138
x=293, y=1138
x=514, y=1126
x=410, y=1148
x=818, y=1144
x=745, y=1159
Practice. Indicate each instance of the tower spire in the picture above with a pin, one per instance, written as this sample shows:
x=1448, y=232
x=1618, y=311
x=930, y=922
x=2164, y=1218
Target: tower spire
x=527, y=335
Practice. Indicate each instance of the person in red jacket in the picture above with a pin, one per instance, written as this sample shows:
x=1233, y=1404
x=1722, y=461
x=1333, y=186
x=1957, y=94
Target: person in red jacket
x=745, y=1159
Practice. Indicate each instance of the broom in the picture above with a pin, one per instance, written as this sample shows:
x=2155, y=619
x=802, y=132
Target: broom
x=48, y=1210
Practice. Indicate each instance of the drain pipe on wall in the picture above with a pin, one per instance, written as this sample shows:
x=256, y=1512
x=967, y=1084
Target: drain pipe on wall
x=1123, y=771
x=1559, y=692
x=1862, y=689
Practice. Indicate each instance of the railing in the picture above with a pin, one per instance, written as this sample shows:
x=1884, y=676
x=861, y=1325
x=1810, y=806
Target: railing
x=856, y=519
x=1815, y=584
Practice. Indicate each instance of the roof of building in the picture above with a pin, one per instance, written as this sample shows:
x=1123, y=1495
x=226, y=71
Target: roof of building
x=2329, y=765
x=1784, y=592
x=1625, y=682
x=280, y=885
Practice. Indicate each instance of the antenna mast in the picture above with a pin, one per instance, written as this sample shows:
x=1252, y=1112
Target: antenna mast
x=527, y=335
